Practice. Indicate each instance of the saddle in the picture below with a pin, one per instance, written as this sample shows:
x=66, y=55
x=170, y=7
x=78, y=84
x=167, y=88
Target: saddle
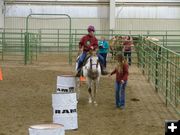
x=85, y=60
x=83, y=64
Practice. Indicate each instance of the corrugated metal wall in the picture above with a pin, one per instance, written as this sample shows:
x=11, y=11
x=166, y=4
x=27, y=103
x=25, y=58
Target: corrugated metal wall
x=77, y=23
x=148, y=24
x=101, y=24
x=127, y=17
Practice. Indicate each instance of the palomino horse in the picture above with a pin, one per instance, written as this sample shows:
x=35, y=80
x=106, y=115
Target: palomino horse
x=92, y=72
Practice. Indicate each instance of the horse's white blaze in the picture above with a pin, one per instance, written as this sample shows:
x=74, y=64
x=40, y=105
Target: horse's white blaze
x=95, y=67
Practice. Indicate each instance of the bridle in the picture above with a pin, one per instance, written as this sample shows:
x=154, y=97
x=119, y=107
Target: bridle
x=92, y=64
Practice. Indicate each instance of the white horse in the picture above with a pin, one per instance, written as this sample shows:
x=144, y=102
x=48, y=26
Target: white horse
x=92, y=72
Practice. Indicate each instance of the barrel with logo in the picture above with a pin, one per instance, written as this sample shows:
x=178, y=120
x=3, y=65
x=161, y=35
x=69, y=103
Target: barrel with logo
x=65, y=84
x=65, y=110
x=47, y=129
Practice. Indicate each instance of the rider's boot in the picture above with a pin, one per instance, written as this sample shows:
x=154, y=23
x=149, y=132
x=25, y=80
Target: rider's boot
x=78, y=73
x=103, y=70
x=79, y=70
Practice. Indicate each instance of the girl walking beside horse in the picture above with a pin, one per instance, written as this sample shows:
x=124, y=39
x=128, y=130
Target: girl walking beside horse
x=121, y=71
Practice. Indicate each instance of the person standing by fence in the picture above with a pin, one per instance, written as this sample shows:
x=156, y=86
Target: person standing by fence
x=121, y=71
x=103, y=49
x=128, y=43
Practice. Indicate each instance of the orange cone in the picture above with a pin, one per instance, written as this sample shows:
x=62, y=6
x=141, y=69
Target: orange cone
x=82, y=78
x=1, y=77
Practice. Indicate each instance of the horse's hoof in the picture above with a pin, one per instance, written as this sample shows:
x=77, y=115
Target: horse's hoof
x=95, y=103
x=90, y=101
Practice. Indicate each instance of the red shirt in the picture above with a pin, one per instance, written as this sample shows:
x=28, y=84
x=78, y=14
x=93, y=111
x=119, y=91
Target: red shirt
x=87, y=42
x=121, y=75
x=127, y=45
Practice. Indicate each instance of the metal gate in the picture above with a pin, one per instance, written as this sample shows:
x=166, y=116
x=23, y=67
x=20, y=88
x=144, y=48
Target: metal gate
x=12, y=46
x=47, y=34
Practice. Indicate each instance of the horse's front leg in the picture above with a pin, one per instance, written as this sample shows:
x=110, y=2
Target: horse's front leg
x=95, y=90
x=90, y=94
x=90, y=91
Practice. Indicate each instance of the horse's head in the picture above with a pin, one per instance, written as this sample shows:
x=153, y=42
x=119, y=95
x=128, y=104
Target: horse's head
x=93, y=67
x=93, y=63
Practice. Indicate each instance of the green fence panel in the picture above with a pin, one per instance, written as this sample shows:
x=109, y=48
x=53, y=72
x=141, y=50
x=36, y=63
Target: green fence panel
x=50, y=36
x=162, y=68
x=11, y=46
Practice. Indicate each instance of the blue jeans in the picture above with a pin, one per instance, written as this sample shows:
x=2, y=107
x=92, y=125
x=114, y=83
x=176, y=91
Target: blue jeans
x=104, y=55
x=120, y=94
x=101, y=60
x=83, y=56
x=81, y=59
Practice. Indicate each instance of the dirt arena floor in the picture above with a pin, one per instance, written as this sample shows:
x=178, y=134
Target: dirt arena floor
x=25, y=99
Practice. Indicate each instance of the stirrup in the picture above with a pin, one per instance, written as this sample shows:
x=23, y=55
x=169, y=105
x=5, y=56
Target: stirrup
x=104, y=72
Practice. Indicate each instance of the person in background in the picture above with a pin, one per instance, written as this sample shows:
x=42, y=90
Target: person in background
x=87, y=44
x=121, y=71
x=103, y=49
x=128, y=43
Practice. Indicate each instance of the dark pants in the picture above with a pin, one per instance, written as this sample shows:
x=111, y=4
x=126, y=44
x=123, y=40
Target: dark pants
x=127, y=55
x=104, y=55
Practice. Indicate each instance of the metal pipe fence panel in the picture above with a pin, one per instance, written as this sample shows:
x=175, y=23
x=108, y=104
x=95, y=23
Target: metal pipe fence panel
x=49, y=34
x=162, y=68
x=12, y=46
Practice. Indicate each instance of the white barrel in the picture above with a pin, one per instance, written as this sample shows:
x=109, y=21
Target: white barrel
x=64, y=100
x=65, y=110
x=47, y=129
x=70, y=121
x=65, y=84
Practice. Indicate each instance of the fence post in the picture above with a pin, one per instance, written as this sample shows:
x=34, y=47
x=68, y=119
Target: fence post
x=36, y=44
x=75, y=40
x=3, y=44
x=156, y=72
x=22, y=40
x=166, y=38
x=70, y=41
x=143, y=60
x=39, y=33
x=138, y=43
x=26, y=50
x=149, y=62
x=167, y=55
x=58, y=40
x=163, y=40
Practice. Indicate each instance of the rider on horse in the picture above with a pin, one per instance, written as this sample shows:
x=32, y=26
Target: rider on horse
x=87, y=44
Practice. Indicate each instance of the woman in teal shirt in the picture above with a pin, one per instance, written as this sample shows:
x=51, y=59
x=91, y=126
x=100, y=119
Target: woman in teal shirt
x=103, y=48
